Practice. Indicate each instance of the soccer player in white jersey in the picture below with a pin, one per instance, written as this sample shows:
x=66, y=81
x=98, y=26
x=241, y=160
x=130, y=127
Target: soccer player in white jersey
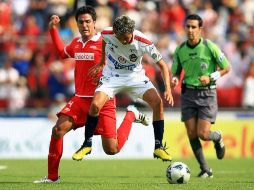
x=122, y=50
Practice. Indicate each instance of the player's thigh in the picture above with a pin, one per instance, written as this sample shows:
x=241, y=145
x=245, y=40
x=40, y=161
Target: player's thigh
x=109, y=145
x=63, y=125
x=99, y=100
x=77, y=108
x=152, y=97
x=106, y=126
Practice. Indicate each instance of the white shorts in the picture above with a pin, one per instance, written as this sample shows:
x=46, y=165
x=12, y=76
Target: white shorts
x=134, y=86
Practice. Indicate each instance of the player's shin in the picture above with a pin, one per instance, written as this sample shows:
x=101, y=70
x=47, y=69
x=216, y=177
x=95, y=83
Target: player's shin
x=54, y=156
x=124, y=129
x=86, y=147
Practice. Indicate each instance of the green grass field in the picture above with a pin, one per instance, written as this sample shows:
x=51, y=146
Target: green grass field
x=125, y=174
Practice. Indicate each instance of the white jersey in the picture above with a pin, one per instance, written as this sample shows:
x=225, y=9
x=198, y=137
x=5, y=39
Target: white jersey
x=125, y=60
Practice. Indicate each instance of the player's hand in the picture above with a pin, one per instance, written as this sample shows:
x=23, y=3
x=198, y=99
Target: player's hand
x=168, y=97
x=54, y=21
x=205, y=80
x=95, y=72
x=174, y=82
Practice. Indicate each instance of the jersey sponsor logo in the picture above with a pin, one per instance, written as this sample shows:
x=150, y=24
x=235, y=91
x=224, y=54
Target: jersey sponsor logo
x=119, y=66
x=133, y=57
x=203, y=66
x=84, y=56
x=93, y=47
x=111, y=44
x=122, y=59
x=133, y=50
x=112, y=49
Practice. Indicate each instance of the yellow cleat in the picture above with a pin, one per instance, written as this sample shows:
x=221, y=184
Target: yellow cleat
x=80, y=153
x=162, y=154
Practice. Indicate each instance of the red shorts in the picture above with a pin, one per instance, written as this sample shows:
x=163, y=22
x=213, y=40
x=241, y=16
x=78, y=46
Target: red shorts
x=78, y=108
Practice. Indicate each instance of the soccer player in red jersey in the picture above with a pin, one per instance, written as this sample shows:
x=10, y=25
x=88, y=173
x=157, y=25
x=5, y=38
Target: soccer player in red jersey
x=86, y=50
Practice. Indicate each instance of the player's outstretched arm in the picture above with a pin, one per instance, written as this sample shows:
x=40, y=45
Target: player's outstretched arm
x=53, y=24
x=166, y=77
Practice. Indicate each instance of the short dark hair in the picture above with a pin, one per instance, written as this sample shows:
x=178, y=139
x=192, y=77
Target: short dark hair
x=123, y=24
x=195, y=17
x=86, y=10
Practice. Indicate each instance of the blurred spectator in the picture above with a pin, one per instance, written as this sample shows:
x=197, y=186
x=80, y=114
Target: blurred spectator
x=57, y=104
x=38, y=8
x=18, y=96
x=104, y=15
x=247, y=7
x=172, y=17
x=5, y=30
x=21, y=56
x=57, y=80
x=20, y=7
x=38, y=81
x=248, y=88
x=9, y=76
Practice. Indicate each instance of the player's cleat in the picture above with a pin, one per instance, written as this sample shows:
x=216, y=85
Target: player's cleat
x=139, y=117
x=162, y=153
x=47, y=180
x=219, y=146
x=81, y=152
x=206, y=174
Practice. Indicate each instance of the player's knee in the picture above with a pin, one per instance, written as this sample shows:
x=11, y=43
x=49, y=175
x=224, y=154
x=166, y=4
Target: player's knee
x=58, y=132
x=157, y=104
x=202, y=135
x=111, y=151
x=95, y=108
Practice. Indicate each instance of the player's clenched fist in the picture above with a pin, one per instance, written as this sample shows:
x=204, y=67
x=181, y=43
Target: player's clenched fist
x=54, y=20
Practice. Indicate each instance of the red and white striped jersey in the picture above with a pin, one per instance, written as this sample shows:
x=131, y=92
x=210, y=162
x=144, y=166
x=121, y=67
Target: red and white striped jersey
x=123, y=59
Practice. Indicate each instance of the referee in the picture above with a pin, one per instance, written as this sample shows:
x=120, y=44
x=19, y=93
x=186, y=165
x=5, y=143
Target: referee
x=203, y=64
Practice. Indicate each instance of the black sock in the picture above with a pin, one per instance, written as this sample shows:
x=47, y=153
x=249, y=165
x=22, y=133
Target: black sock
x=90, y=126
x=158, y=128
x=198, y=152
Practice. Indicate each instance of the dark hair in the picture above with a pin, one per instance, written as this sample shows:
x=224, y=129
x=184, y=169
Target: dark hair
x=195, y=17
x=86, y=10
x=123, y=24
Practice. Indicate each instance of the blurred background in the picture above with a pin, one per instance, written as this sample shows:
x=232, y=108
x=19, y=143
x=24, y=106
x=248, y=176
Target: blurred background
x=34, y=80
x=35, y=83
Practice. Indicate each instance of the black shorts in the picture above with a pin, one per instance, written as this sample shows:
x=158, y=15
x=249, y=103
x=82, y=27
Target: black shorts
x=201, y=104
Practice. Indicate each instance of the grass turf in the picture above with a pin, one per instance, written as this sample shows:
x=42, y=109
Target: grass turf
x=125, y=175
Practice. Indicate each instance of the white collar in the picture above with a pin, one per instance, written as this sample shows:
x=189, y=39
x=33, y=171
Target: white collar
x=94, y=38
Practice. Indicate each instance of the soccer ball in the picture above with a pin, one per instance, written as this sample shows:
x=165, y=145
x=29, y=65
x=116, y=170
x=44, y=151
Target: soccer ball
x=178, y=173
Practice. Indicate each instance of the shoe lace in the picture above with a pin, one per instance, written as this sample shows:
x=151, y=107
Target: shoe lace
x=82, y=146
x=164, y=147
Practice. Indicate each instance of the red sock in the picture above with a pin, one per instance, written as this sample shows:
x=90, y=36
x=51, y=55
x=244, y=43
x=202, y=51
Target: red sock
x=54, y=156
x=124, y=130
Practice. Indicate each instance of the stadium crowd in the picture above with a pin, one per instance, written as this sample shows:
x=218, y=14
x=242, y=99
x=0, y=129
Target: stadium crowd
x=33, y=76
